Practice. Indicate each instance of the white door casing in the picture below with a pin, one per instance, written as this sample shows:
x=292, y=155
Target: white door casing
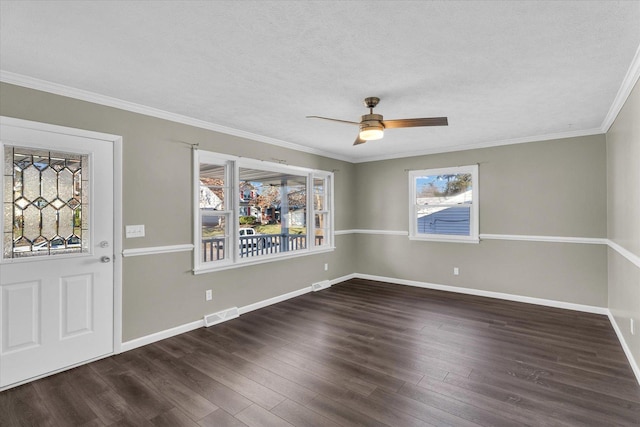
x=57, y=311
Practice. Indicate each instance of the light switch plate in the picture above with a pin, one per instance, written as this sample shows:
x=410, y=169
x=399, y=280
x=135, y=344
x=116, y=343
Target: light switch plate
x=134, y=231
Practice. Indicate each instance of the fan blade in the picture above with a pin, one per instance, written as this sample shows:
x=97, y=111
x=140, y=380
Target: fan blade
x=333, y=120
x=410, y=123
x=359, y=140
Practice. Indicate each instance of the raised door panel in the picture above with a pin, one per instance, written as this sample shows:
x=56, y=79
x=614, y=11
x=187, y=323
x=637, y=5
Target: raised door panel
x=20, y=316
x=76, y=305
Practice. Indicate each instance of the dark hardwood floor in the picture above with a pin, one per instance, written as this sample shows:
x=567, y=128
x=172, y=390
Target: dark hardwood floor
x=361, y=353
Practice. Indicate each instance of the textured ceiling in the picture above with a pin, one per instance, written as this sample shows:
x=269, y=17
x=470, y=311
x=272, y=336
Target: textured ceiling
x=499, y=70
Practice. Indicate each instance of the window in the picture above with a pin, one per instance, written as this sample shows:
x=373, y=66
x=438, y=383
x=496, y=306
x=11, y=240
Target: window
x=250, y=211
x=444, y=204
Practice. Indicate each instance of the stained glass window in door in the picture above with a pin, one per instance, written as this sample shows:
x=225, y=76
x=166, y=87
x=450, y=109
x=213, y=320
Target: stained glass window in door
x=45, y=203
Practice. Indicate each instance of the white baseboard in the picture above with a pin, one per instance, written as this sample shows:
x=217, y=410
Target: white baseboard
x=489, y=294
x=625, y=347
x=167, y=333
x=289, y=295
x=274, y=300
x=343, y=278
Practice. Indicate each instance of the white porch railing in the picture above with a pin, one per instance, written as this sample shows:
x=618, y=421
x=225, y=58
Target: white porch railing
x=250, y=246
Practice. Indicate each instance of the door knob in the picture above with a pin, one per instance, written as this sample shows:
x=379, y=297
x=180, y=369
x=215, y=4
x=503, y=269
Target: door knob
x=105, y=259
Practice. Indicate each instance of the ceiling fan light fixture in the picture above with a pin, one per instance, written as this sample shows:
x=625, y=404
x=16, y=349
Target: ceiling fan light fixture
x=372, y=126
x=371, y=133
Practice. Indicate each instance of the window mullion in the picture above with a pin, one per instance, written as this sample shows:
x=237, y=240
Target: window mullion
x=311, y=224
x=234, y=207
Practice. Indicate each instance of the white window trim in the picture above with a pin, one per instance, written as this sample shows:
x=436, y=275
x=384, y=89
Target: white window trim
x=233, y=260
x=474, y=226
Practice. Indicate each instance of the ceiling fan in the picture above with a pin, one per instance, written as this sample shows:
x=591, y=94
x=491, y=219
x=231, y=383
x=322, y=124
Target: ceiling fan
x=372, y=126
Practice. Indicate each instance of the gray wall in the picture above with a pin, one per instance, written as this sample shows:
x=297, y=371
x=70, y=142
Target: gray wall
x=160, y=291
x=551, y=188
x=623, y=218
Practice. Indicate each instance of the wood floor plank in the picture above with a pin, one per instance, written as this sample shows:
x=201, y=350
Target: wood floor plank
x=252, y=390
x=507, y=402
x=367, y=355
x=263, y=376
x=429, y=414
x=84, y=381
x=215, y=392
x=297, y=373
x=96, y=422
x=23, y=406
x=341, y=414
x=362, y=353
x=345, y=367
x=300, y=416
x=132, y=419
x=192, y=403
x=144, y=400
x=582, y=406
x=221, y=418
x=109, y=406
x=65, y=403
x=173, y=418
x=379, y=411
x=256, y=416
x=455, y=407
x=318, y=367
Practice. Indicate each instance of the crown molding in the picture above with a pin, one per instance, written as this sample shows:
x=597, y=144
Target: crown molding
x=628, y=83
x=96, y=98
x=633, y=73
x=487, y=144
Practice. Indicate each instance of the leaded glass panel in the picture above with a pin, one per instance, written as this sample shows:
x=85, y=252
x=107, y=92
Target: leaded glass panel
x=65, y=221
x=49, y=187
x=46, y=203
x=31, y=183
x=65, y=185
x=31, y=222
x=49, y=221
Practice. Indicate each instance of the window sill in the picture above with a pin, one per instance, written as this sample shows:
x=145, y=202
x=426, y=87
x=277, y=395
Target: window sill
x=449, y=239
x=261, y=260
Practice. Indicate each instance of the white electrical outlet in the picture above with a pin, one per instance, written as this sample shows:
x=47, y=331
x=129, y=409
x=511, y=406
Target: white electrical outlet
x=208, y=295
x=456, y=271
x=633, y=331
x=326, y=267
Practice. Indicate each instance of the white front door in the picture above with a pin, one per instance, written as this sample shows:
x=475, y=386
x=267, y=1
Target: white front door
x=56, y=264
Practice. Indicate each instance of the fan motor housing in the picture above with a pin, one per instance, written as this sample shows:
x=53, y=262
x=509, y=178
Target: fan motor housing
x=371, y=120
